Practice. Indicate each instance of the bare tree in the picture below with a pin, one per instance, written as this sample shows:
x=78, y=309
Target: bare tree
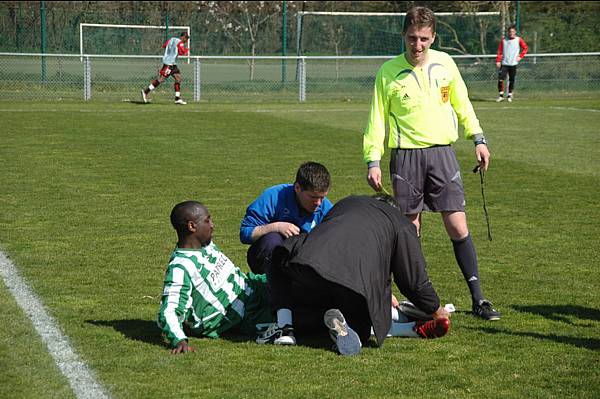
x=241, y=21
x=504, y=8
x=336, y=36
x=472, y=7
x=460, y=48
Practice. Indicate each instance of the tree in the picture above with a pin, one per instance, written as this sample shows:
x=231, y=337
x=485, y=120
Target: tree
x=241, y=21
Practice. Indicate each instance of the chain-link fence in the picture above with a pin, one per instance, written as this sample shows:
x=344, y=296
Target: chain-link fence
x=256, y=79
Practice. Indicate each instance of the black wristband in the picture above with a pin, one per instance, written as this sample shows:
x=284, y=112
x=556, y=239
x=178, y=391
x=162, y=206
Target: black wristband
x=480, y=140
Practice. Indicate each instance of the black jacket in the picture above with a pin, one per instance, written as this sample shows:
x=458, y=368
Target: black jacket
x=360, y=244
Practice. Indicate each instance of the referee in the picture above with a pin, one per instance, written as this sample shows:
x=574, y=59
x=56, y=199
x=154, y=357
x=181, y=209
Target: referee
x=421, y=96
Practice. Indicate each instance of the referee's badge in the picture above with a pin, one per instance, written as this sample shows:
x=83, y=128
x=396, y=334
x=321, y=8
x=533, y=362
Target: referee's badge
x=445, y=91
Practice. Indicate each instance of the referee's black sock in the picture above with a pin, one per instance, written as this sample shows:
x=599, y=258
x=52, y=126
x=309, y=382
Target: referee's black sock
x=464, y=250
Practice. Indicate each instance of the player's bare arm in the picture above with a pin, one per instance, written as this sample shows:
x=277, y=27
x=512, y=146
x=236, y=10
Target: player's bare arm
x=284, y=228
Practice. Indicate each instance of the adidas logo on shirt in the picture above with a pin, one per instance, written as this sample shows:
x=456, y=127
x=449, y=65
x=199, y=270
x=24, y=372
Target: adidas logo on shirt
x=406, y=97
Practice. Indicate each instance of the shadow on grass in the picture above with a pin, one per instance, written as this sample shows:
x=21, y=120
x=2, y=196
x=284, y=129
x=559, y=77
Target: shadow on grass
x=482, y=99
x=147, y=331
x=313, y=341
x=135, y=329
x=586, y=343
x=138, y=102
x=562, y=313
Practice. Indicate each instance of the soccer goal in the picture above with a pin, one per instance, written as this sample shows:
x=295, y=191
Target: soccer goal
x=125, y=39
x=378, y=33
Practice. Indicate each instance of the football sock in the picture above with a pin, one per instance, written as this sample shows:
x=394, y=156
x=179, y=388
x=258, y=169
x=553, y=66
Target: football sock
x=501, y=86
x=395, y=314
x=284, y=317
x=399, y=317
x=464, y=251
x=403, y=330
x=177, y=91
x=152, y=86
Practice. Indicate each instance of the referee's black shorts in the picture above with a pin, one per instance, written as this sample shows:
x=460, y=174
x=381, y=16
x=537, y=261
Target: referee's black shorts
x=427, y=179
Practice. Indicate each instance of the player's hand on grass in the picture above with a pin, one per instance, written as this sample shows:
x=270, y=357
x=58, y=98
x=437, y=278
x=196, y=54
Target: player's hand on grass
x=374, y=178
x=287, y=229
x=441, y=313
x=182, y=347
x=483, y=156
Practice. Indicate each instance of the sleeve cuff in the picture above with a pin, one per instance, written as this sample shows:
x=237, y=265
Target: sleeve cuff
x=372, y=164
x=479, y=138
x=176, y=341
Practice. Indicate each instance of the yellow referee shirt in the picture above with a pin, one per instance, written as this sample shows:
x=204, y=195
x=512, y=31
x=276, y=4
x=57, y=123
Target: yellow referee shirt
x=421, y=105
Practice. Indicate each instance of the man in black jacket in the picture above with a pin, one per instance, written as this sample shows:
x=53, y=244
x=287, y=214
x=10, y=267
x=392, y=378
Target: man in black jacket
x=342, y=269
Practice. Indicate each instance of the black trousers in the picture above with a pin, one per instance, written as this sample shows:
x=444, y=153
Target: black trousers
x=260, y=252
x=301, y=289
x=511, y=71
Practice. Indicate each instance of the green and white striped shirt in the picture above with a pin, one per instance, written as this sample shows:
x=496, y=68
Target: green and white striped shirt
x=204, y=290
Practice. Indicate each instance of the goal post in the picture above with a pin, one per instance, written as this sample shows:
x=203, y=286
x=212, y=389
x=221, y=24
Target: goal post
x=83, y=25
x=380, y=33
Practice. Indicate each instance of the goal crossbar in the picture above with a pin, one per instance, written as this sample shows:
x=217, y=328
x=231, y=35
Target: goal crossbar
x=300, y=15
x=392, y=14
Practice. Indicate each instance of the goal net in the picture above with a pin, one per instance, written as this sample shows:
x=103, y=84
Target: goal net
x=352, y=33
x=125, y=39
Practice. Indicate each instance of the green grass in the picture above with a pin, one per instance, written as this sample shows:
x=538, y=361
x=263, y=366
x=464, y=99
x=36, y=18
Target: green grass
x=86, y=194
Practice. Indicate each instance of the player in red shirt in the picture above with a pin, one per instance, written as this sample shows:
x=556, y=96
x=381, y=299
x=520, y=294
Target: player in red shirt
x=510, y=51
x=174, y=47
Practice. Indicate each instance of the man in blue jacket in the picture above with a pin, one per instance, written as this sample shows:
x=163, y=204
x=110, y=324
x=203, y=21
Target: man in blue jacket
x=283, y=211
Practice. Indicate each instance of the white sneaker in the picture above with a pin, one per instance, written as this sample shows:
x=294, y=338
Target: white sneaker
x=144, y=97
x=509, y=99
x=345, y=338
x=500, y=99
x=276, y=335
x=180, y=102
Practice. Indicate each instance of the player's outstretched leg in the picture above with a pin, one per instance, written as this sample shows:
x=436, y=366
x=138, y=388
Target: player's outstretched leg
x=500, y=90
x=146, y=92
x=346, y=339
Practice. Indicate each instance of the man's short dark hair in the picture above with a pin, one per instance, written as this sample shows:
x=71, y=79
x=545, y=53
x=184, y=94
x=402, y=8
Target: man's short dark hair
x=513, y=26
x=184, y=34
x=388, y=199
x=313, y=176
x=421, y=17
x=184, y=212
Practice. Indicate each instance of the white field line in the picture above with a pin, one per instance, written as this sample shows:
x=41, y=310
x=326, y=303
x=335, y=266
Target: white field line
x=80, y=377
x=518, y=108
x=279, y=111
x=192, y=110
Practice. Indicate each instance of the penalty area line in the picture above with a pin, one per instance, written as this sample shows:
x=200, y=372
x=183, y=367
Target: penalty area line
x=80, y=377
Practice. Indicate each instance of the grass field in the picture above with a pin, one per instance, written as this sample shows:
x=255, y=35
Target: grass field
x=86, y=190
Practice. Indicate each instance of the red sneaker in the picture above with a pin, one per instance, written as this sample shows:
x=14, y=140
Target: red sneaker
x=432, y=328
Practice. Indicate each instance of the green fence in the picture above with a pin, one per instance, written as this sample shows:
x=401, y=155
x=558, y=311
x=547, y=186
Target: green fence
x=255, y=79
